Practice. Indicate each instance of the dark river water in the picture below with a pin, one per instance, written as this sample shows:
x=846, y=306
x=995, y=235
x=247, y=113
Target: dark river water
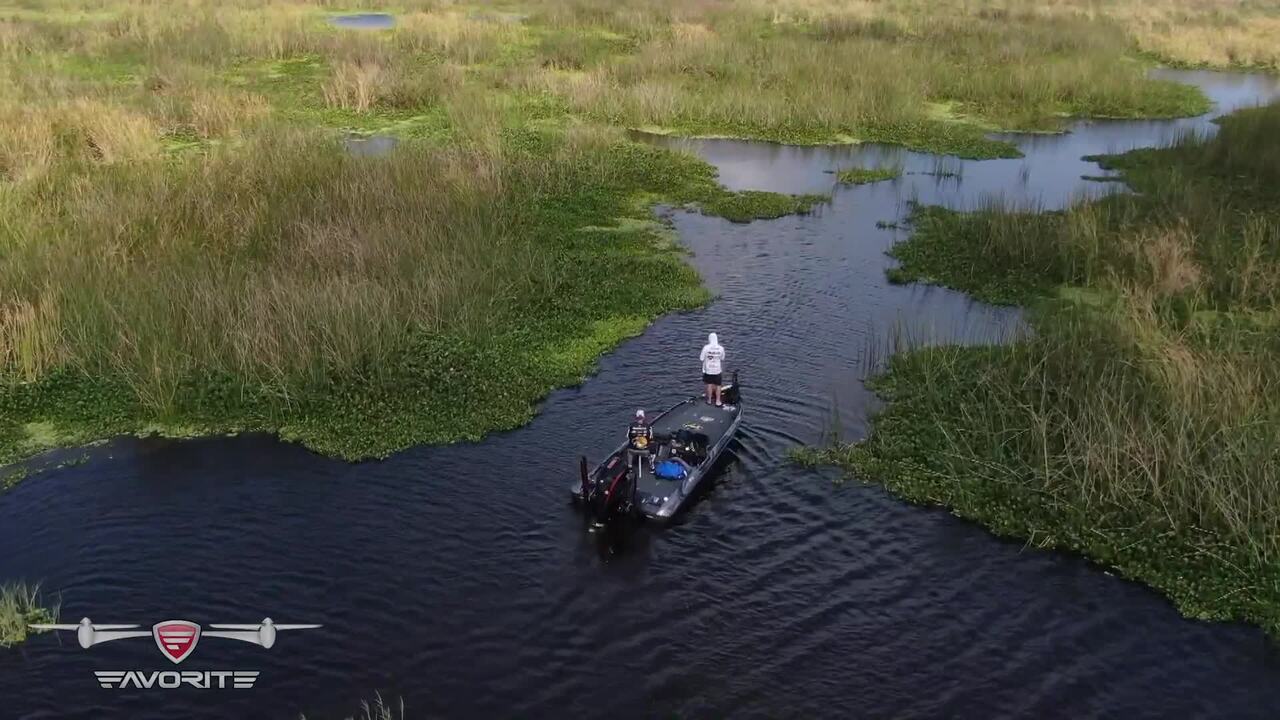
x=459, y=579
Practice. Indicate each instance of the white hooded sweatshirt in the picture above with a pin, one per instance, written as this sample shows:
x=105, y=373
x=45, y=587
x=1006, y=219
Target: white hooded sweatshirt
x=712, y=356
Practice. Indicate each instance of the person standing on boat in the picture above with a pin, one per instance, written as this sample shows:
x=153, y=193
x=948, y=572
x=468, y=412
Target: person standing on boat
x=639, y=441
x=712, y=365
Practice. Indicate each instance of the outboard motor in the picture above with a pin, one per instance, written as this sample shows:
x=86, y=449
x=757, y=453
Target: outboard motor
x=607, y=493
x=732, y=395
x=611, y=496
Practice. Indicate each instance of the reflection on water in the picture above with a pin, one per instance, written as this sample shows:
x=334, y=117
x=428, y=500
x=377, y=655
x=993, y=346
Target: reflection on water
x=458, y=578
x=365, y=21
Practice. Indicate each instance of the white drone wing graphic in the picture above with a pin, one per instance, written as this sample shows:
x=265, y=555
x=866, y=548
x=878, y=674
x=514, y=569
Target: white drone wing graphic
x=262, y=634
x=89, y=634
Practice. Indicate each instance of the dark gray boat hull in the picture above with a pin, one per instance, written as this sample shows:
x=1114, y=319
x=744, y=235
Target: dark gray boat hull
x=661, y=499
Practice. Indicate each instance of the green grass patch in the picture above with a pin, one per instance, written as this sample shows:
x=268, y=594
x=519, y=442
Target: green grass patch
x=949, y=248
x=864, y=176
x=20, y=606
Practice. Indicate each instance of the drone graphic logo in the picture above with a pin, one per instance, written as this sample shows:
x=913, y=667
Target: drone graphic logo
x=177, y=639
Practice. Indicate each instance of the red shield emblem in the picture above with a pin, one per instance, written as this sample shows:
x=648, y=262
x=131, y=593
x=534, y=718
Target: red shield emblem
x=176, y=638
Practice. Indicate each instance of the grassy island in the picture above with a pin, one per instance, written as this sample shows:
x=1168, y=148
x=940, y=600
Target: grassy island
x=864, y=176
x=1140, y=423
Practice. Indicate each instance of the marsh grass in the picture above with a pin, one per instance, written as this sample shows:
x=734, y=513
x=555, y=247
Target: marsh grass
x=20, y=606
x=796, y=71
x=355, y=304
x=1219, y=33
x=1201, y=235
x=863, y=176
x=184, y=245
x=380, y=710
x=805, y=72
x=1140, y=422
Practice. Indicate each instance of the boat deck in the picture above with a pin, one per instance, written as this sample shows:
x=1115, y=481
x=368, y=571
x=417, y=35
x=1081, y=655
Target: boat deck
x=696, y=416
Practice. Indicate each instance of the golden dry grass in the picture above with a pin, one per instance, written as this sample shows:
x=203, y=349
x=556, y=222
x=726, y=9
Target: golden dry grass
x=1217, y=33
x=100, y=131
x=162, y=69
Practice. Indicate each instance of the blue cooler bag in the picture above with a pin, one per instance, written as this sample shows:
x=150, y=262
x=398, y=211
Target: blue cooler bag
x=669, y=470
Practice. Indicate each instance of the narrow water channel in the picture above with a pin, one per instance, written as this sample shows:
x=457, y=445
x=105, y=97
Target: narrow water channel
x=459, y=579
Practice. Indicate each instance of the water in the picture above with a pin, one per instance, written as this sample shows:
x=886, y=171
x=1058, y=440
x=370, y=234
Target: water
x=459, y=579
x=365, y=21
x=369, y=145
x=1049, y=176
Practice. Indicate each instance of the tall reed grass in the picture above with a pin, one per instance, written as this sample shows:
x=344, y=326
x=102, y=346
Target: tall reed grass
x=20, y=606
x=273, y=261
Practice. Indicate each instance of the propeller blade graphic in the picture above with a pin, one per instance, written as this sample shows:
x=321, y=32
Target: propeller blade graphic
x=95, y=626
x=249, y=636
x=110, y=635
x=258, y=626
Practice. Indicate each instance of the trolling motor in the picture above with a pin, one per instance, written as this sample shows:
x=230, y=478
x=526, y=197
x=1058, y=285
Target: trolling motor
x=733, y=395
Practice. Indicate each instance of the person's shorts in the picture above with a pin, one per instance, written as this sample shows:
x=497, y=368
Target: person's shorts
x=708, y=379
